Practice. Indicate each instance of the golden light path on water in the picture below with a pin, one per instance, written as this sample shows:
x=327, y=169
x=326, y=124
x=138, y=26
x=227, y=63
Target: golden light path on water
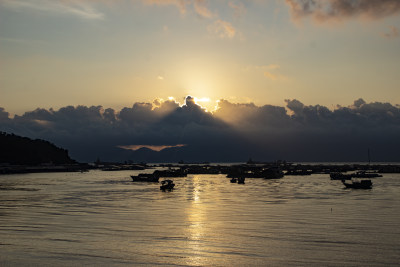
x=197, y=218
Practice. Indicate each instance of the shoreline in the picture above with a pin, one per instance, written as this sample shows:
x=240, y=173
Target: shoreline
x=288, y=168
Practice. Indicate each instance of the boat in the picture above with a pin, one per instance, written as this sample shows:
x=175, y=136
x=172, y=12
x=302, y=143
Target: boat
x=145, y=177
x=363, y=184
x=299, y=172
x=366, y=174
x=240, y=180
x=167, y=185
x=340, y=176
x=272, y=173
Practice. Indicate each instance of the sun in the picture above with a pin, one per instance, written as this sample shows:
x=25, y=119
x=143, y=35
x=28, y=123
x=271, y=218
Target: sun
x=203, y=99
x=205, y=102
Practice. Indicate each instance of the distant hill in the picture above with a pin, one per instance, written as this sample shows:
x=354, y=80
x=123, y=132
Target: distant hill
x=20, y=150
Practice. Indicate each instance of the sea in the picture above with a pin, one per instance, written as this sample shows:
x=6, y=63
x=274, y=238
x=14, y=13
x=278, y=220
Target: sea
x=100, y=218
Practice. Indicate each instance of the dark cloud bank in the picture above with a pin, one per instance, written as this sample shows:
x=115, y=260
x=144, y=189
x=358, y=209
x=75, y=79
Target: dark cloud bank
x=343, y=9
x=234, y=132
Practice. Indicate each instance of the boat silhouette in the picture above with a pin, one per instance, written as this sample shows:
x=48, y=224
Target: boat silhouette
x=363, y=184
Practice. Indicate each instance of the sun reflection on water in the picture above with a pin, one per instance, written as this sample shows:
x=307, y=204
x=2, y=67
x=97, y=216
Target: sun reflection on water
x=196, y=218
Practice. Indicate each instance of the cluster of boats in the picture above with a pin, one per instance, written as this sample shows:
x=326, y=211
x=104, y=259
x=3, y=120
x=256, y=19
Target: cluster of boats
x=238, y=174
x=239, y=180
x=145, y=177
x=362, y=184
x=358, y=174
x=156, y=175
x=153, y=178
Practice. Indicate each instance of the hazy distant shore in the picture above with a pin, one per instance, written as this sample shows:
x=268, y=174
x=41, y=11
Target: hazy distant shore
x=289, y=168
x=18, y=169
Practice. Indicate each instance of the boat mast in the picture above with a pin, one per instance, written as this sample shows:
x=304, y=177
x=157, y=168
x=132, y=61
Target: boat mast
x=369, y=158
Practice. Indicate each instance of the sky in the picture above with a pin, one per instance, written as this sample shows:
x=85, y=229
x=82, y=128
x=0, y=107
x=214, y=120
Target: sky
x=114, y=53
x=176, y=79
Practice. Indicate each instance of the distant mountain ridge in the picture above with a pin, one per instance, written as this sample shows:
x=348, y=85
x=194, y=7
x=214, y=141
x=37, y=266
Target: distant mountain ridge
x=20, y=150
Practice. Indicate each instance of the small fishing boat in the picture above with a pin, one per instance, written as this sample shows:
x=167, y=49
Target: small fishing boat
x=240, y=180
x=145, y=177
x=340, y=176
x=363, y=184
x=167, y=185
x=366, y=174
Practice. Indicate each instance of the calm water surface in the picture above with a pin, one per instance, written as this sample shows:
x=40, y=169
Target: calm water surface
x=102, y=219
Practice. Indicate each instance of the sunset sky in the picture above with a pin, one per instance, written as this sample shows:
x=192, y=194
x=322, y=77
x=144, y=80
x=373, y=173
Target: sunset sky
x=170, y=80
x=55, y=53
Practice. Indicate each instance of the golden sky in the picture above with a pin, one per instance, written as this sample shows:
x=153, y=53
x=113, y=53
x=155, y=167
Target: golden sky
x=55, y=53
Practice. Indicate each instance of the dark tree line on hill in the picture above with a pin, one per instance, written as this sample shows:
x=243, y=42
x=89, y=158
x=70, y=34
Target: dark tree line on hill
x=20, y=150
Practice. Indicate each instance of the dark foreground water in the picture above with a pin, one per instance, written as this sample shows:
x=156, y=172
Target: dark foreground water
x=102, y=219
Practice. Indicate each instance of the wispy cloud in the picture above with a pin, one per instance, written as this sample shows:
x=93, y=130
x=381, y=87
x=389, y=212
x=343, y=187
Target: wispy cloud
x=200, y=6
x=219, y=27
x=393, y=33
x=152, y=147
x=275, y=76
x=223, y=29
x=270, y=71
x=80, y=9
x=271, y=75
x=180, y=4
x=239, y=9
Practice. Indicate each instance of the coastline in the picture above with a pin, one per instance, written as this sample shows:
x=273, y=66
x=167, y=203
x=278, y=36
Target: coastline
x=19, y=169
x=288, y=168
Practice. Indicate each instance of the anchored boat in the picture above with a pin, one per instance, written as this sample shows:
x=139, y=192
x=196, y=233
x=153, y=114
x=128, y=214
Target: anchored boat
x=363, y=184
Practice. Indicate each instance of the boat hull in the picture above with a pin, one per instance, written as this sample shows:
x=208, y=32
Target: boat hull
x=145, y=178
x=364, y=184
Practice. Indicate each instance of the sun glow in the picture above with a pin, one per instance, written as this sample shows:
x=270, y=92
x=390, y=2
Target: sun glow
x=152, y=147
x=203, y=102
x=204, y=99
x=206, y=103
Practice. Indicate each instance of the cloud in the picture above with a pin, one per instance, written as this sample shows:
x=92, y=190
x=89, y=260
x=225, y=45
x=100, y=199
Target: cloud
x=239, y=9
x=393, y=33
x=200, y=6
x=270, y=75
x=80, y=9
x=234, y=132
x=222, y=29
x=152, y=147
x=180, y=4
x=337, y=10
x=4, y=115
x=270, y=71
